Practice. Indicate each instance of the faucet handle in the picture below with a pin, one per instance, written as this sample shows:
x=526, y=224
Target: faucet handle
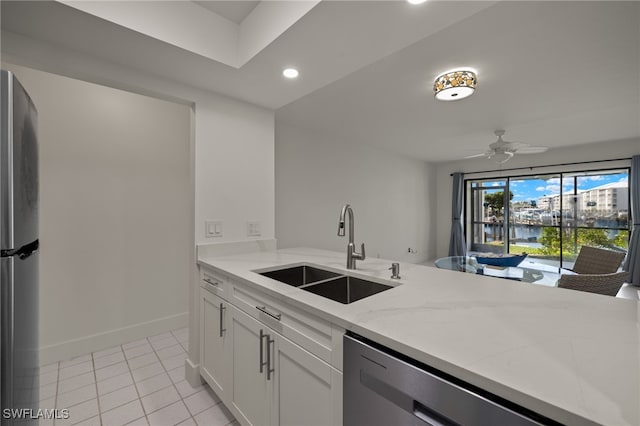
x=362, y=252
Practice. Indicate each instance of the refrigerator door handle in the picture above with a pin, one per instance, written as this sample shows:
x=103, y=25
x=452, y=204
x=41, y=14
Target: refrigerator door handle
x=23, y=252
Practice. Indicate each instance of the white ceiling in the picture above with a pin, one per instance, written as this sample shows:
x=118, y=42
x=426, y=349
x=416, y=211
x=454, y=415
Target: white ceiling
x=235, y=10
x=190, y=27
x=550, y=73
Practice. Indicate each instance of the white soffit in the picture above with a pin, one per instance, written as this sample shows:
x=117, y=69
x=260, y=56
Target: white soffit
x=189, y=26
x=268, y=21
x=233, y=10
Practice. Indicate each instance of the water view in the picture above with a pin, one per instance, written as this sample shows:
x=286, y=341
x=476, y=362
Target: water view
x=550, y=216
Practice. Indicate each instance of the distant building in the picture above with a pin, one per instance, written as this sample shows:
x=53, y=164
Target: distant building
x=545, y=203
x=606, y=200
x=609, y=200
x=551, y=203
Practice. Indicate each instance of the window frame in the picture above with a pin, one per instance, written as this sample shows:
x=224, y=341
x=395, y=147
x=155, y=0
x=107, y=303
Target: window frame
x=469, y=192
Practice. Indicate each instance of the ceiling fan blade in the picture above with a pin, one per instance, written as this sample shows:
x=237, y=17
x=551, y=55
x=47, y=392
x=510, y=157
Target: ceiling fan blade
x=532, y=150
x=514, y=146
x=484, y=154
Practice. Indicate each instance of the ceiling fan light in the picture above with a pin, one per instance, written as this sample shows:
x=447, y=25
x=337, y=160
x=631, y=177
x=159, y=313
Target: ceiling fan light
x=501, y=157
x=455, y=85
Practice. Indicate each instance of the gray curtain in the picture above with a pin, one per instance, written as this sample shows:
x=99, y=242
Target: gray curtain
x=457, y=246
x=632, y=264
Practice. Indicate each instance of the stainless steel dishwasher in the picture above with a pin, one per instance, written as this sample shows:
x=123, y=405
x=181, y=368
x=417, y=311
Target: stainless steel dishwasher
x=382, y=387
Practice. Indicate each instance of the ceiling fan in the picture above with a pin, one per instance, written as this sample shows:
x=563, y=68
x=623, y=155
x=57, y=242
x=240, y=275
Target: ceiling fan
x=502, y=151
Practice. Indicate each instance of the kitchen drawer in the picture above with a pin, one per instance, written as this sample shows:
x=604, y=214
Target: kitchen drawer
x=308, y=331
x=215, y=282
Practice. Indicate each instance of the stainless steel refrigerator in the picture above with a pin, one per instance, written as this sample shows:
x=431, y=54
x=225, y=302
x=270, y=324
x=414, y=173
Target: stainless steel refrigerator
x=19, y=196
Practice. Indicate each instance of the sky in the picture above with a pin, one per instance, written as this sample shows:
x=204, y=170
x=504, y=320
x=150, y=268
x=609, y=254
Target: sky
x=533, y=188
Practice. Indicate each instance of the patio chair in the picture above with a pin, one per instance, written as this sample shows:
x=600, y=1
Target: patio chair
x=593, y=260
x=607, y=284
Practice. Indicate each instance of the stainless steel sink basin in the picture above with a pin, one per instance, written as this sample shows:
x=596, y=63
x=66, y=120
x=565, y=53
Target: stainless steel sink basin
x=300, y=275
x=347, y=289
x=340, y=288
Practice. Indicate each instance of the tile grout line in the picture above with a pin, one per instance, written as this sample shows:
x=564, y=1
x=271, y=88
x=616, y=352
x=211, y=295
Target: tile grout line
x=165, y=371
x=204, y=388
x=75, y=375
x=191, y=416
x=173, y=384
x=135, y=385
x=95, y=377
x=179, y=342
x=55, y=397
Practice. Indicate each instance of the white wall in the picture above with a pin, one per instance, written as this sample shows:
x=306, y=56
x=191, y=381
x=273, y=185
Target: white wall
x=114, y=214
x=232, y=146
x=389, y=194
x=588, y=152
x=234, y=167
x=219, y=189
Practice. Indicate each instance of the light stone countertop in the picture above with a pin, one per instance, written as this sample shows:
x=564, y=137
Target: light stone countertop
x=571, y=356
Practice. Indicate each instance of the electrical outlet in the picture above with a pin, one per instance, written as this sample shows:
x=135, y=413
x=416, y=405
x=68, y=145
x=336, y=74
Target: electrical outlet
x=213, y=228
x=253, y=229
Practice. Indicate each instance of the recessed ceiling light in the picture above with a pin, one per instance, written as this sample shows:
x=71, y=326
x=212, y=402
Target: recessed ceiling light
x=416, y=1
x=290, y=72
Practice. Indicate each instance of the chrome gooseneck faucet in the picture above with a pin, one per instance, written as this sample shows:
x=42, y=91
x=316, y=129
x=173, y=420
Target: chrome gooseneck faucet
x=352, y=255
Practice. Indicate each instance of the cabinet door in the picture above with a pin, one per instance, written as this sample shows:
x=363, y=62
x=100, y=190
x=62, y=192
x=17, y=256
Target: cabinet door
x=251, y=389
x=308, y=390
x=215, y=347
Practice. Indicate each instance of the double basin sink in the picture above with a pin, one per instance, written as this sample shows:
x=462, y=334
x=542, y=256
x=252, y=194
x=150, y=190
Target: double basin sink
x=340, y=288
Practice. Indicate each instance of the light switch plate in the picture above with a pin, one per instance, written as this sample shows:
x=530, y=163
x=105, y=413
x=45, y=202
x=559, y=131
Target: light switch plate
x=213, y=228
x=253, y=229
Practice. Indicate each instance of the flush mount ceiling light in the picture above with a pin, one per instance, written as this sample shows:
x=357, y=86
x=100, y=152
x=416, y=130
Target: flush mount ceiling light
x=290, y=72
x=455, y=85
x=416, y=1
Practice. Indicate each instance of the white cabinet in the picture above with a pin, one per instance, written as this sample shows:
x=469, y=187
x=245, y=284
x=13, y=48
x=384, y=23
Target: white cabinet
x=215, y=342
x=251, y=389
x=277, y=382
x=309, y=391
x=251, y=356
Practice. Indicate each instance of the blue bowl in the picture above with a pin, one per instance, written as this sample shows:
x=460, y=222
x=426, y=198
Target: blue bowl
x=504, y=260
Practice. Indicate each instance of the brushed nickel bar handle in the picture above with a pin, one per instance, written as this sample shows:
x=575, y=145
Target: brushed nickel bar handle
x=270, y=370
x=222, y=309
x=262, y=363
x=264, y=310
x=211, y=282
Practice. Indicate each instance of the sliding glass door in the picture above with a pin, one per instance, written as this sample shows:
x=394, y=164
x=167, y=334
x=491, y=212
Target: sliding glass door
x=549, y=216
x=597, y=208
x=488, y=202
x=535, y=217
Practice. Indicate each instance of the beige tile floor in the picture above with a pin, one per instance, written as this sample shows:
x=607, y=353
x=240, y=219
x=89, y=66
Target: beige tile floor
x=138, y=383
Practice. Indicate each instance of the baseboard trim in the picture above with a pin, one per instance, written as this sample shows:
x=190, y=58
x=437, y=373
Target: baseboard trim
x=95, y=342
x=192, y=373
